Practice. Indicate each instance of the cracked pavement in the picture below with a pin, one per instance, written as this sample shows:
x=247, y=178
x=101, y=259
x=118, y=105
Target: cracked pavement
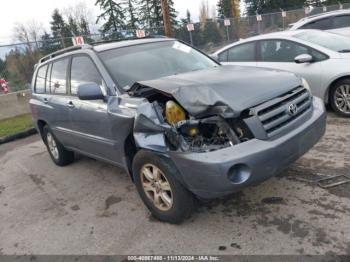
x=92, y=207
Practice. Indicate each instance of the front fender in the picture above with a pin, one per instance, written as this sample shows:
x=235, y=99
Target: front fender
x=149, y=128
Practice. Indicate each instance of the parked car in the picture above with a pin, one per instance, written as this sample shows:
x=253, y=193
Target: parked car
x=322, y=58
x=325, y=21
x=179, y=123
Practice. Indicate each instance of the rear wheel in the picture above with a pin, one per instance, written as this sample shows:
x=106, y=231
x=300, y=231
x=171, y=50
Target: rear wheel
x=161, y=192
x=340, y=97
x=59, y=155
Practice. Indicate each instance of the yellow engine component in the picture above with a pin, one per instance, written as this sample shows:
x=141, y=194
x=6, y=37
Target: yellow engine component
x=174, y=113
x=193, y=131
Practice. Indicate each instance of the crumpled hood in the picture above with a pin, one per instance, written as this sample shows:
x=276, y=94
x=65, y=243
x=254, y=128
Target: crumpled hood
x=225, y=89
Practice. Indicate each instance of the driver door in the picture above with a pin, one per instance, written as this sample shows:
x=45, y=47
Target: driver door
x=280, y=54
x=91, y=122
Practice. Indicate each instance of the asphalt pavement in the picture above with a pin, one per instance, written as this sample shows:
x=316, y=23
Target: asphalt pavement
x=91, y=207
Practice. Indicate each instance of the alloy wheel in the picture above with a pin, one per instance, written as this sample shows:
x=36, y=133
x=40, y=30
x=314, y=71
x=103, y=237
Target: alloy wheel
x=342, y=98
x=156, y=187
x=51, y=143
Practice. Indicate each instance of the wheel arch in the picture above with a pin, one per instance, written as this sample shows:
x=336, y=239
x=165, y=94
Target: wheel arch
x=331, y=85
x=41, y=123
x=130, y=150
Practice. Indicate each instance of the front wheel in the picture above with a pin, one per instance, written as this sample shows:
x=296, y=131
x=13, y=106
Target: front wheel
x=340, y=97
x=58, y=153
x=159, y=189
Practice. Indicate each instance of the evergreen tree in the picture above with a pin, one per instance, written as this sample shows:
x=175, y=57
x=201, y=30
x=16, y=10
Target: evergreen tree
x=130, y=10
x=48, y=45
x=269, y=6
x=151, y=13
x=144, y=13
x=60, y=30
x=211, y=32
x=112, y=14
x=84, y=27
x=172, y=12
x=156, y=13
x=225, y=8
x=188, y=16
x=57, y=24
x=73, y=26
x=3, y=71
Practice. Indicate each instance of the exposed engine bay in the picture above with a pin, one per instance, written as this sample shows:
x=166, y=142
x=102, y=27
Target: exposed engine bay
x=197, y=134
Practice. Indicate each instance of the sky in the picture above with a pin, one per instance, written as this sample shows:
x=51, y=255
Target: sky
x=22, y=11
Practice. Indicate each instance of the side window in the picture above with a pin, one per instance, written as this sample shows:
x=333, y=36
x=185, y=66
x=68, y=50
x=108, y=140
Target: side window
x=40, y=80
x=322, y=24
x=242, y=53
x=280, y=50
x=318, y=56
x=341, y=21
x=83, y=71
x=223, y=56
x=58, y=83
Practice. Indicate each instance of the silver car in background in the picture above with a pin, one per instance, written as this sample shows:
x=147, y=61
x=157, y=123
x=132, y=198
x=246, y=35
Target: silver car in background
x=324, y=21
x=321, y=58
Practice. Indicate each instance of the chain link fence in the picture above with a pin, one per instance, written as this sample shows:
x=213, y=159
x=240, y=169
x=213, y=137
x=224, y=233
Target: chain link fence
x=17, y=61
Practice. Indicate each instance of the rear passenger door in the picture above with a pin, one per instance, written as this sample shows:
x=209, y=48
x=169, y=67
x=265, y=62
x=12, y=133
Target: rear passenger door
x=90, y=120
x=243, y=54
x=58, y=99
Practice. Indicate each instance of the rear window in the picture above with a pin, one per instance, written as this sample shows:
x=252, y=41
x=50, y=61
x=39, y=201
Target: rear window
x=322, y=24
x=59, y=77
x=341, y=21
x=40, y=80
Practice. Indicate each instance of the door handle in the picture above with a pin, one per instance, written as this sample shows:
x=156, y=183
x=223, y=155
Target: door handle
x=45, y=100
x=70, y=104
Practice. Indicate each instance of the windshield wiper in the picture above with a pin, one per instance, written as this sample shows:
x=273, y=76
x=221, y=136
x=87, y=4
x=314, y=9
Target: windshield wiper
x=344, y=51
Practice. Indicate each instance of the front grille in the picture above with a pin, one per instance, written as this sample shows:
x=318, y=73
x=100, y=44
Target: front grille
x=275, y=115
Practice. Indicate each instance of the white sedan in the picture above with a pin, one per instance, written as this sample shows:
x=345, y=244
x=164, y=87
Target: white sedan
x=320, y=57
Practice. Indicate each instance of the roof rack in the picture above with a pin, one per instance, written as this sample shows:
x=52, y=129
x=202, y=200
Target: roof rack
x=126, y=39
x=63, y=51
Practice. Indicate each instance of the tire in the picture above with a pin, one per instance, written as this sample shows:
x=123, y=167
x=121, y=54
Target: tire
x=182, y=201
x=60, y=156
x=337, y=93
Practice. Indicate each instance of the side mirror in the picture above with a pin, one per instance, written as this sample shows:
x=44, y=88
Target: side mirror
x=303, y=58
x=90, y=91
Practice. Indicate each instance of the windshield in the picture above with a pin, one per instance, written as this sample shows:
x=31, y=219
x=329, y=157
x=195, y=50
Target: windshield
x=150, y=61
x=331, y=41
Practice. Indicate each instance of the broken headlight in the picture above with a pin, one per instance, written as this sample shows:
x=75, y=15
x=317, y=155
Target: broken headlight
x=201, y=135
x=174, y=113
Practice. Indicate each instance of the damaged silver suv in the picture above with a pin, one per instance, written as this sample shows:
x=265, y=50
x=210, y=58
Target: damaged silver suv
x=179, y=123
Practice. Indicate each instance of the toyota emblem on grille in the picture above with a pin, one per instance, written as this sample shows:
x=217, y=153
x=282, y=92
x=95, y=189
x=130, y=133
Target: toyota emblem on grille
x=292, y=109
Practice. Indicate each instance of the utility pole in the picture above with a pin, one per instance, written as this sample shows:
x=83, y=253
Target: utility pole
x=166, y=19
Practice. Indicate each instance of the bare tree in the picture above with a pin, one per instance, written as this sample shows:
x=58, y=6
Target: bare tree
x=203, y=13
x=79, y=14
x=28, y=33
